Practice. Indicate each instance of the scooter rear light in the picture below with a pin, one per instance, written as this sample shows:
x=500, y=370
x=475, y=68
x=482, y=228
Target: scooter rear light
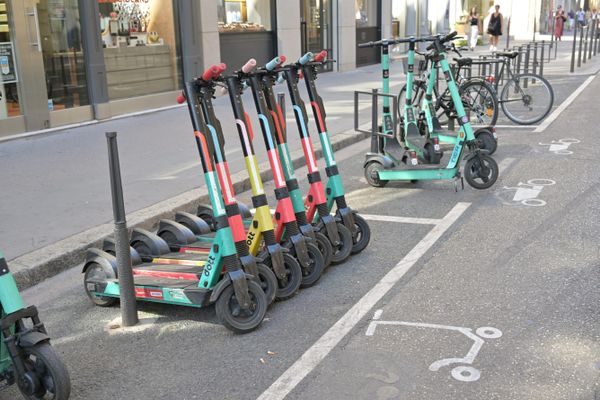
x=413, y=158
x=436, y=144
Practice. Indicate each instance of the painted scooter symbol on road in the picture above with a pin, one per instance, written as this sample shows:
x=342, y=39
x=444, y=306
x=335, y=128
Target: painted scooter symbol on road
x=464, y=373
x=527, y=193
x=561, y=146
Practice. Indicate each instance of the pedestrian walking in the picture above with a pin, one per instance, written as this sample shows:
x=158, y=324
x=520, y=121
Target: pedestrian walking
x=559, y=23
x=495, y=28
x=581, y=17
x=474, y=33
x=571, y=15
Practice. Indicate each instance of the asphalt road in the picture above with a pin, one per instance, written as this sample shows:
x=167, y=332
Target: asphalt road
x=520, y=260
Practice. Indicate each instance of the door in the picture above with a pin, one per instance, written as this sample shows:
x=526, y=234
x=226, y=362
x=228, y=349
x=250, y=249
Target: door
x=368, y=28
x=315, y=26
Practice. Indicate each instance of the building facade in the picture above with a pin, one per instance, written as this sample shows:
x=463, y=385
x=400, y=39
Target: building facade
x=64, y=62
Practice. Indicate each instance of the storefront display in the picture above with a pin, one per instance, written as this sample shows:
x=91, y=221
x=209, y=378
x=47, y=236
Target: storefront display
x=244, y=16
x=140, y=49
x=9, y=98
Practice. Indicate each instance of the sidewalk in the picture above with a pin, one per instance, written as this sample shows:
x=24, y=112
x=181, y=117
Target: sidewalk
x=57, y=199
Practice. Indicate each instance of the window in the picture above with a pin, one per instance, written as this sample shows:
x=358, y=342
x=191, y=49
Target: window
x=140, y=47
x=244, y=15
x=9, y=80
x=366, y=13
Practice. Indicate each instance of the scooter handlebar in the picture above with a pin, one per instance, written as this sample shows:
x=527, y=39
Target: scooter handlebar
x=250, y=64
x=305, y=58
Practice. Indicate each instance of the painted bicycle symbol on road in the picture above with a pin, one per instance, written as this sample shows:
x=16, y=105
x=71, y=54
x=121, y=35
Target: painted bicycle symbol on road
x=527, y=193
x=465, y=372
x=561, y=146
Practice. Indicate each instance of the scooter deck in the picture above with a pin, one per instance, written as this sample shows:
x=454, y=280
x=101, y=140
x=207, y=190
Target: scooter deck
x=419, y=172
x=159, y=282
x=169, y=271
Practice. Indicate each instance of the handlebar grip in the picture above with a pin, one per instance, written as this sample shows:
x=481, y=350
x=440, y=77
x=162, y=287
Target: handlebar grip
x=271, y=65
x=280, y=77
x=305, y=58
x=282, y=59
x=250, y=64
x=209, y=73
x=368, y=44
x=449, y=36
x=181, y=99
x=321, y=56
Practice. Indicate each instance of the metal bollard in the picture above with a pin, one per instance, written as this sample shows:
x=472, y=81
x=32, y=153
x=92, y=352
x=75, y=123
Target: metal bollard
x=585, y=42
x=526, y=66
x=596, y=36
x=580, y=47
x=592, y=33
x=572, y=69
x=535, y=59
x=552, y=39
x=129, y=316
x=542, y=58
x=518, y=67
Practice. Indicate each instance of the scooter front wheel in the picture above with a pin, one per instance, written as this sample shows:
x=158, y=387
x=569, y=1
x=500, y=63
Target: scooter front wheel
x=287, y=287
x=52, y=376
x=268, y=282
x=363, y=234
x=325, y=248
x=96, y=272
x=236, y=319
x=311, y=275
x=486, y=141
x=481, y=171
x=342, y=251
x=372, y=174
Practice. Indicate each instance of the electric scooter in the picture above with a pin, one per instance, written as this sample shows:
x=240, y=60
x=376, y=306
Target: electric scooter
x=240, y=302
x=307, y=253
x=269, y=76
x=361, y=233
x=316, y=200
x=382, y=165
x=26, y=356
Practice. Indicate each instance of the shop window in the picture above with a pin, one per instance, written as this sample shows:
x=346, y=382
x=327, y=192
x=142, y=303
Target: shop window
x=140, y=47
x=244, y=15
x=9, y=80
x=366, y=13
x=64, y=64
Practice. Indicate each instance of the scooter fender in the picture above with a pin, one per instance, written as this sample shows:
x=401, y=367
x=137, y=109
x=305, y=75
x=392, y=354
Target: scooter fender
x=154, y=243
x=102, y=258
x=182, y=234
x=347, y=216
x=331, y=228
x=299, y=244
x=249, y=265
x=109, y=246
x=475, y=154
x=276, y=253
x=387, y=162
x=193, y=223
x=32, y=338
x=239, y=279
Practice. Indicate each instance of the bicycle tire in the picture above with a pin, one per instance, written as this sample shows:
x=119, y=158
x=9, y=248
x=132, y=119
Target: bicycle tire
x=527, y=96
x=485, y=113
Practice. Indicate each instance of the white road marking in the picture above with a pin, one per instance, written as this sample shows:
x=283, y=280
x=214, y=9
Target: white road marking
x=527, y=193
x=560, y=146
x=402, y=220
x=550, y=119
x=319, y=350
x=460, y=373
x=515, y=127
x=504, y=164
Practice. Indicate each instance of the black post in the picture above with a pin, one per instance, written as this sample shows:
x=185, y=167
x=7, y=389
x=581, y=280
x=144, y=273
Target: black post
x=596, y=36
x=592, y=33
x=580, y=47
x=574, y=47
x=534, y=27
x=129, y=314
x=585, y=45
x=376, y=140
x=552, y=32
x=526, y=66
x=520, y=50
x=508, y=34
x=535, y=59
x=542, y=58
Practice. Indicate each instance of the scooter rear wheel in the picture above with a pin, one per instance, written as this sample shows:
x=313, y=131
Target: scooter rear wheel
x=287, y=288
x=486, y=141
x=206, y=213
x=325, y=248
x=343, y=250
x=97, y=272
x=317, y=265
x=233, y=317
x=42, y=361
x=481, y=171
x=363, y=234
x=372, y=174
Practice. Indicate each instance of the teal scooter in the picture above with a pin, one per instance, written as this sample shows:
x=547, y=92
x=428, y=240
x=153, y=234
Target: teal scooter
x=26, y=356
x=389, y=160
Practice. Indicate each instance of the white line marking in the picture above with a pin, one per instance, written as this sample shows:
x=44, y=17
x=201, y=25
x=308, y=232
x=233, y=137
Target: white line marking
x=516, y=126
x=318, y=351
x=550, y=119
x=504, y=164
x=402, y=220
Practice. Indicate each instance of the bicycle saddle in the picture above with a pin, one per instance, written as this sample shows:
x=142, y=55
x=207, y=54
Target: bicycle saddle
x=463, y=62
x=508, y=54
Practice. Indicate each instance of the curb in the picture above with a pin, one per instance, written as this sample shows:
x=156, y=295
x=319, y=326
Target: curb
x=41, y=264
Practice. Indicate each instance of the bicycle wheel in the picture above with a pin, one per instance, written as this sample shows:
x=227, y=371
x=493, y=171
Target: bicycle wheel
x=527, y=98
x=480, y=102
x=417, y=96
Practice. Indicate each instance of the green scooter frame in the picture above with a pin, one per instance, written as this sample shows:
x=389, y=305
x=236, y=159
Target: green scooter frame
x=481, y=171
x=334, y=190
x=20, y=341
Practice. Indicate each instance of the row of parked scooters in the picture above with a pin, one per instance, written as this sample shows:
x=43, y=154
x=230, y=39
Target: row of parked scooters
x=223, y=254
